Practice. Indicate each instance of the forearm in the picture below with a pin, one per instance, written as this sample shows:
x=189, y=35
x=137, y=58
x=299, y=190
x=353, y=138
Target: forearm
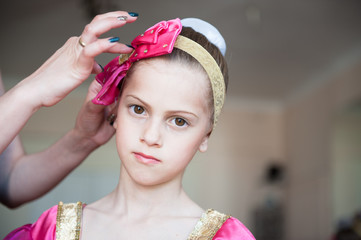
x=36, y=174
x=16, y=107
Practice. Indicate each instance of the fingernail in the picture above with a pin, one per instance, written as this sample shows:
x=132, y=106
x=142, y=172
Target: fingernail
x=122, y=18
x=113, y=39
x=133, y=14
x=130, y=46
x=101, y=67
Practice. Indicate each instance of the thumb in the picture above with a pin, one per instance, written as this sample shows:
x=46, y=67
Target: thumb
x=97, y=68
x=93, y=90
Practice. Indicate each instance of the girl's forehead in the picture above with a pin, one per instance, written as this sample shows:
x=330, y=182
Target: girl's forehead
x=158, y=78
x=162, y=65
x=173, y=71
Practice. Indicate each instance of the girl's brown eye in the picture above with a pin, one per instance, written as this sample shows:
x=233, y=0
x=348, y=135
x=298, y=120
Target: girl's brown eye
x=138, y=109
x=179, y=122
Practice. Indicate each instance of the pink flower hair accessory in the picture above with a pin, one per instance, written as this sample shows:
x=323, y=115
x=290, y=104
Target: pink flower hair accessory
x=155, y=41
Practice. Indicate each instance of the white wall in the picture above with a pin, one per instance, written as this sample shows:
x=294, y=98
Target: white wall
x=346, y=164
x=309, y=127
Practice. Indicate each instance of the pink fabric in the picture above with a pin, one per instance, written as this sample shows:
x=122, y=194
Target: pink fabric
x=233, y=229
x=156, y=41
x=43, y=229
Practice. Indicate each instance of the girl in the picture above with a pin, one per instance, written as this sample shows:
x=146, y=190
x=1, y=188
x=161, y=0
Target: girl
x=168, y=104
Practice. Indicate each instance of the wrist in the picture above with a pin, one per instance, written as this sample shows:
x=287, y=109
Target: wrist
x=27, y=95
x=81, y=142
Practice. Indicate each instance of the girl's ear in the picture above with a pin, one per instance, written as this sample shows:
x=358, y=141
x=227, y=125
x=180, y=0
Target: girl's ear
x=204, y=144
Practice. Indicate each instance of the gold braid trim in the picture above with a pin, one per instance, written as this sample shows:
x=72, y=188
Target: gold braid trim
x=68, y=221
x=210, y=65
x=210, y=222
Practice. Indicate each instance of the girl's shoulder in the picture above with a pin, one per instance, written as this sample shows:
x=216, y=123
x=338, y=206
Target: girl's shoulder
x=215, y=225
x=43, y=228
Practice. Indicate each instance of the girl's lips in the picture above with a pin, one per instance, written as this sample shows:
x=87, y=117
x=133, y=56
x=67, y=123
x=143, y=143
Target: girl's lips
x=143, y=158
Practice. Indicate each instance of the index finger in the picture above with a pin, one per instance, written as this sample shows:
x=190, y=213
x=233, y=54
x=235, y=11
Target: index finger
x=132, y=15
x=105, y=22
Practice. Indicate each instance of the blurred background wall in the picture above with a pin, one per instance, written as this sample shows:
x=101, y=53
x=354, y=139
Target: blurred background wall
x=285, y=156
x=323, y=175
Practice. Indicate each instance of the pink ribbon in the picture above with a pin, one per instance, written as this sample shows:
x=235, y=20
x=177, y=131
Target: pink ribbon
x=155, y=41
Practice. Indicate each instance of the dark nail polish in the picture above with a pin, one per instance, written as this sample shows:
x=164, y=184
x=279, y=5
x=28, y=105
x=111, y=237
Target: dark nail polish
x=133, y=14
x=128, y=45
x=113, y=39
x=101, y=67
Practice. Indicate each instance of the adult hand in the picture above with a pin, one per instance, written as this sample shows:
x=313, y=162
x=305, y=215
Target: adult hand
x=60, y=74
x=93, y=122
x=24, y=177
x=74, y=62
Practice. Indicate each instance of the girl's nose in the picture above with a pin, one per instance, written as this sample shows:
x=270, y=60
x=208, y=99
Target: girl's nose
x=152, y=133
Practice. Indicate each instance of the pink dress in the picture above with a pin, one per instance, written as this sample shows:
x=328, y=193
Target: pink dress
x=45, y=228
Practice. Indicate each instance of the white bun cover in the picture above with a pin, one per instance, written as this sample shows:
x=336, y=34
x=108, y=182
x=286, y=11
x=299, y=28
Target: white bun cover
x=208, y=30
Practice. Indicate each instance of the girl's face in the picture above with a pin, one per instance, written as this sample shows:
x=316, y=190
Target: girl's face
x=163, y=119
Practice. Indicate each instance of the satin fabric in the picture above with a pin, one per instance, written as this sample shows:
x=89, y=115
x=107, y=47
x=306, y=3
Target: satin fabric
x=155, y=41
x=233, y=229
x=44, y=229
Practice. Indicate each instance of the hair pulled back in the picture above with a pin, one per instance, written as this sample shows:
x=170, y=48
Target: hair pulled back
x=199, y=38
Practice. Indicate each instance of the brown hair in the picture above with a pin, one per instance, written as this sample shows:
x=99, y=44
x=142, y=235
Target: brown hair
x=210, y=47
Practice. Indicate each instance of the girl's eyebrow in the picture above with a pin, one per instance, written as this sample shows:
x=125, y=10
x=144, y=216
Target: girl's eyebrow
x=168, y=112
x=182, y=112
x=140, y=100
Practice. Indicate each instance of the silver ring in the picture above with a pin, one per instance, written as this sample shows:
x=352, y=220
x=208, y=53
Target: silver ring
x=122, y=18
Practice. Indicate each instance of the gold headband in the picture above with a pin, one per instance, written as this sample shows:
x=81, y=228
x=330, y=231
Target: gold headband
x=210, y=66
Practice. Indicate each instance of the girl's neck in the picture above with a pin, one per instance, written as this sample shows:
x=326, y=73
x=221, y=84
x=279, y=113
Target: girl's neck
x=136, y=200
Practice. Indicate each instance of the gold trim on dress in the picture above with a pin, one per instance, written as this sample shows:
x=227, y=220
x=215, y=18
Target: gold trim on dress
x=68, y=221
x=210, y=222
